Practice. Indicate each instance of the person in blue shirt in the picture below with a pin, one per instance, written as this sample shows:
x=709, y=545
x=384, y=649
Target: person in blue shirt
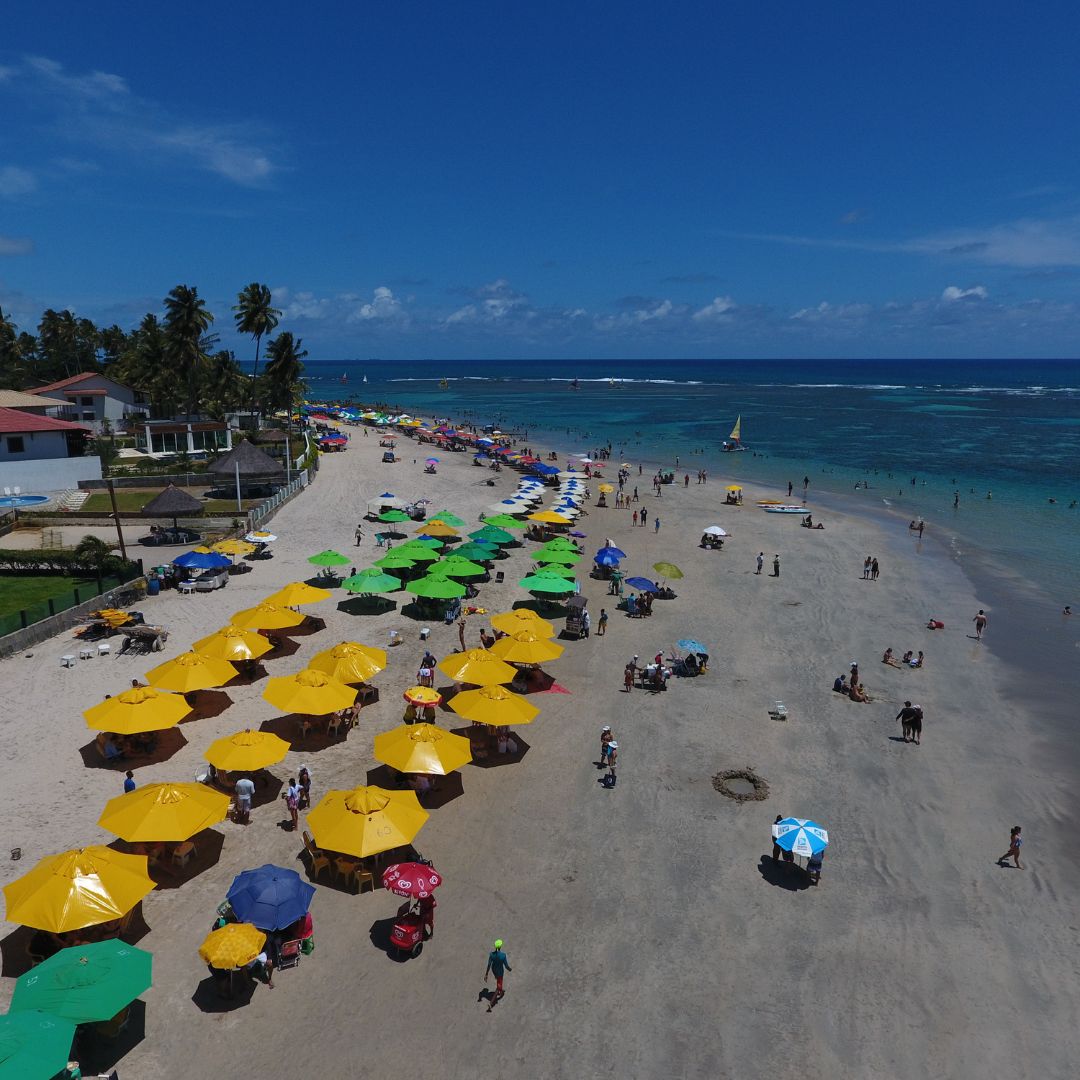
x=129, y=782
x=497, y=965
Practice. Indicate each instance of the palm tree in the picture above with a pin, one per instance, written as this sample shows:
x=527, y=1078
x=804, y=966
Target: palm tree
x=186, y=321
x=94, y=554
x=255, y=315
x=284, y=369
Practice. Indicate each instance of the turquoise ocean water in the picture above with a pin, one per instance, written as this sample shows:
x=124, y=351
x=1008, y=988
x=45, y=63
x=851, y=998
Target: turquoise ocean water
x=1007, y=428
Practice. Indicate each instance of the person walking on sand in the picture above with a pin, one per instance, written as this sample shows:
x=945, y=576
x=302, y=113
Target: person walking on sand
x=644, y=516
x=601, y=623
x=980, y=621
x=789, y=489
x=628, y=679
x=874, y=569
x=292, y=802
x=760, y=561
x=497, y=965
x=1015, y=840
x=656, y=525
x=867, y=562
x=776, y=566
x=635, y=519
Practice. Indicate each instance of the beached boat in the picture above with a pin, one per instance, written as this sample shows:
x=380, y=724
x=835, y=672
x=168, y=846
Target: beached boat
x=734, y=440
x=785, y=509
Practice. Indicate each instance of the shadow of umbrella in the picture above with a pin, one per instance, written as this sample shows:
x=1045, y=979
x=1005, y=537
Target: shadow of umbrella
x=169, y=875
x=283, y=647
x=99, y=1054
x=209, y=999
x=318, y=738
x=447, y=787
x=206, y=704
x=367, y=604
x=312, y=624
x=783, y=875
x=168, y=743
x=249, y=672
x=479, y=737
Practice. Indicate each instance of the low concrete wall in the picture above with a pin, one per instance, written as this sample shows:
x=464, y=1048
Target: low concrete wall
x=49, y=474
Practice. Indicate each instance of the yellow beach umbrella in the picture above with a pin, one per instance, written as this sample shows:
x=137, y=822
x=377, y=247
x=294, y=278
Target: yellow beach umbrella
x=526, y=648
x=232, y=946
x=190, y=671
x=298, y=592
x=313, y=693
x=366, y=820
x=733, y=487
x=246, y=751
x=233, y=643
x=78, y=888
x=141, y=708
x=233, y=547
x=477, y=666
x=266, y=617
x=424, y=696
x=510, y=622
x=349, y=661
x=435, y=527
x=422, y=748
x=493, y=705
x=607, y=489
x=164, y=812
x=549, y=517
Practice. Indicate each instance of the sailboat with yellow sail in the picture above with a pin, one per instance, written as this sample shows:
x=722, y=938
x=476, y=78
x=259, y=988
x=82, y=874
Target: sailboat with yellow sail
x=734, y=440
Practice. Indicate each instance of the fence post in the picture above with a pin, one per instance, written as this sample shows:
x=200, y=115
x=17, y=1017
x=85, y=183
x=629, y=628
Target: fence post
x=52, y=610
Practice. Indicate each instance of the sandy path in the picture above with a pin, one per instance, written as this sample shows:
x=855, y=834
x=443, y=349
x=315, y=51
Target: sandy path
x=646, y=933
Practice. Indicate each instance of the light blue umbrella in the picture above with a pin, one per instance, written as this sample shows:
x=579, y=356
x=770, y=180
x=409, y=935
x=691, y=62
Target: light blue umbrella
x=801, y=836
x=692, y=645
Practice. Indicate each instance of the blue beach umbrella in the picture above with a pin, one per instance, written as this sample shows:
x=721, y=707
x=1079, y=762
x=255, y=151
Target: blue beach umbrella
x=270, y=897
x=198, y=560
x=618, y=553
x=642, y=584
x=692, y=645
x=801, y=836
x=602, y=559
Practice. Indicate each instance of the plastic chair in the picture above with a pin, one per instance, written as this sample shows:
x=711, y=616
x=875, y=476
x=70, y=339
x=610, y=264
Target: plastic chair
x=182, y=852
x=104, y=648
x=319, y=861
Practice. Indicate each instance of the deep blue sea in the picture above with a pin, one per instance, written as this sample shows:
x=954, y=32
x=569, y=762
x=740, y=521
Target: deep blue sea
x=1010, y=429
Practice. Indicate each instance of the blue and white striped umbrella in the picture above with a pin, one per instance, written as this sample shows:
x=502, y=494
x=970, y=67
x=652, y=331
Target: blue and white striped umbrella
x=801, y=836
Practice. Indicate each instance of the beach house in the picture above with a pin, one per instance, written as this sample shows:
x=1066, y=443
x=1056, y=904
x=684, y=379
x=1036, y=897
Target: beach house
x=93, y=398
x=42, y=453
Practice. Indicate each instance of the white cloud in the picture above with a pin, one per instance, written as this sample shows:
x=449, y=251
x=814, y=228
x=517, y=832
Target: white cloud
x=96, y=86
x=383, y=306
x=15, y=181
x=718, y=311
x=953, y=293
x=16, y=245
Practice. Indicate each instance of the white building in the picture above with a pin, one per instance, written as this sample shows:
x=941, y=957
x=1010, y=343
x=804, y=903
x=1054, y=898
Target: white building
x=40, y=454
x=92, y=398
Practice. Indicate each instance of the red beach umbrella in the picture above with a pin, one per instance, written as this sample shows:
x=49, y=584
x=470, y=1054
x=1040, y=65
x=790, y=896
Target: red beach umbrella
x=411, y=879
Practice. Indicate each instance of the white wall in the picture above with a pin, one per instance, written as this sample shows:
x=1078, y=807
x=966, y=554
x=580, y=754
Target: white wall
x=52, y=474
x=37, y=445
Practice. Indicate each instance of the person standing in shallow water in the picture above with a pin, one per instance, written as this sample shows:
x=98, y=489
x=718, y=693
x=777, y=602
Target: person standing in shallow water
x=980, y=621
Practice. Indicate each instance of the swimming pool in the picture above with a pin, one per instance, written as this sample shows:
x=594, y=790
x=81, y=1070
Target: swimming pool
x=23, y=500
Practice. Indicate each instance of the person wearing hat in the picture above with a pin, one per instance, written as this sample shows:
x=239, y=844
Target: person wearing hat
x=497, y=965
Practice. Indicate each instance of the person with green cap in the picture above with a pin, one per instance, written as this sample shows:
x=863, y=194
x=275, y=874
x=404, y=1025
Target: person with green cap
x=497, y=965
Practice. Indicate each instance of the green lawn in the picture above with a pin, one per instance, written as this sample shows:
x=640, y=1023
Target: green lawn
x=19, y=591
x=132, y=500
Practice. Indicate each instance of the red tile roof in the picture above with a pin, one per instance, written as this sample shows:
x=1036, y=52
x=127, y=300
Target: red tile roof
x=72, y=381
x=16, y=422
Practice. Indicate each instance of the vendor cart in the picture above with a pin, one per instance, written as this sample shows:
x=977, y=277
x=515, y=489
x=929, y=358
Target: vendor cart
x=575, y=616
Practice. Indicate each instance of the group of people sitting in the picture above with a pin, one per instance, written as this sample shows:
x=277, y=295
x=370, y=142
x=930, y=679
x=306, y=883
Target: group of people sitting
x=853, y=689
x=639, y=606
x=909, y=659
x=709, y=540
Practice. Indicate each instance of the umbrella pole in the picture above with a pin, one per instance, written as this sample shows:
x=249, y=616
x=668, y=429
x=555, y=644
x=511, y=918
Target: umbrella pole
x=239, y=502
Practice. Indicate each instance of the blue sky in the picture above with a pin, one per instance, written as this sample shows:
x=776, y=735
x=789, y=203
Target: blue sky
x=573, y=180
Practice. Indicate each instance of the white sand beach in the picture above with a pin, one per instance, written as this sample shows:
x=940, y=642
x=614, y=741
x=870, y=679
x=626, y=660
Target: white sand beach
x=649, y=931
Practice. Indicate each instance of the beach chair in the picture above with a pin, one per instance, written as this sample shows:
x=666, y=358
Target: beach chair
x=319, y=861
x=289, y=954
x=778, y=711
x=182, y=853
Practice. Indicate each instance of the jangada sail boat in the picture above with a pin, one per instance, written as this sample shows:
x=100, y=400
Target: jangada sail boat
x=734, y=440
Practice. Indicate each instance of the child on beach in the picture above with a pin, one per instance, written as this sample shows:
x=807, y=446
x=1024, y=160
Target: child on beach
x=1015, y=840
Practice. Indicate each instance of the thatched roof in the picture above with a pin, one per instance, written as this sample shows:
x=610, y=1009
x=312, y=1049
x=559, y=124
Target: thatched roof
x=273, y=435
x=172, y=502
x=253, y=462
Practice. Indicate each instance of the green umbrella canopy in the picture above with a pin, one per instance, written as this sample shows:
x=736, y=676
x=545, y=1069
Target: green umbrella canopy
x=432, y=543
x=329, y=558
x=492, y=533
x=394, y=515
x=86, y=983
x=455, y=566
x=34, y=1043
x=396, y=561
x=503, y=521
x=417, y=552
x=562, y=571
x=436, y=587
x=561, y=543
x=371, y=580
x=449, y=519
x=476, y=552
x=546, y=581
x=668, y=570
x=566, y=558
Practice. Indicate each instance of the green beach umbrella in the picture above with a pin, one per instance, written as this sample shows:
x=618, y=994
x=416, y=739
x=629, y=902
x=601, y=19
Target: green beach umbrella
x=560, y=543
x=394, y=515
x=86, y=983
x=503, y=521
x=455, y=566
x=34, y=1043
x=562, y=571
x=417, y=552
x=566, y=558
x=449, y=519
x=546, y=581
x=396, y=561
x=476, y=552
x=371, y=580
x=668, y=570
x=329, y=558
x=432, y=543
x=492, y=533
x=436, y=587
